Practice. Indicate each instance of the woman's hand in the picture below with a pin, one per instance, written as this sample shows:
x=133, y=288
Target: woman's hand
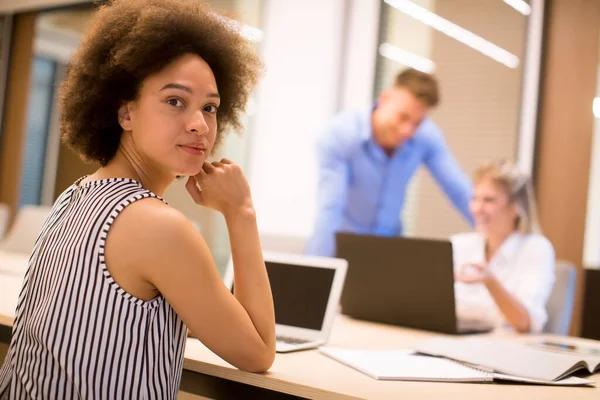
x=473, y=273
x=221, y=186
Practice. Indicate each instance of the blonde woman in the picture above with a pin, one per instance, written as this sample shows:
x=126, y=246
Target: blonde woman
x=505, y=270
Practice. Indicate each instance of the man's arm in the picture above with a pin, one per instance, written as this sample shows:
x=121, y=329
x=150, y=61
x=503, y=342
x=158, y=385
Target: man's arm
x=332, y=195
x=447, y=173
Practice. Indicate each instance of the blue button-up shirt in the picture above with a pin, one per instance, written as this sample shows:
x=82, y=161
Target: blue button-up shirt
x=361, y=189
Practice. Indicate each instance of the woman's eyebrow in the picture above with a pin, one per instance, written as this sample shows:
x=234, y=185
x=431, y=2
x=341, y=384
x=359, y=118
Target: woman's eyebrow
x=186, y=88
x=177, y=86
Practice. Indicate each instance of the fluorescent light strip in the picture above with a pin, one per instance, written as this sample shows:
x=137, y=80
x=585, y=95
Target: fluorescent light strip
x=407, y=58
x=596, y=107
x=456, y=32
x=519, y=5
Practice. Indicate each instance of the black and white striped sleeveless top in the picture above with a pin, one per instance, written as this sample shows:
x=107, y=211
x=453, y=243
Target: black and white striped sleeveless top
x=76, y=333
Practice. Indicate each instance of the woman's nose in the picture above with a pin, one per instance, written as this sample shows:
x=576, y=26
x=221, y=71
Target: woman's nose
x=198, y=124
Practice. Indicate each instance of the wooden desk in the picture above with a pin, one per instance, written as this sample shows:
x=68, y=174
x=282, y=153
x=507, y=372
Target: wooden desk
x=6, y=321
x=310, y=374
x=313, y=375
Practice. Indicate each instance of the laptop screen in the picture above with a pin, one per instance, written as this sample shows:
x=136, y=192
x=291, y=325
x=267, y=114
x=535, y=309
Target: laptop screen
x=300, y=294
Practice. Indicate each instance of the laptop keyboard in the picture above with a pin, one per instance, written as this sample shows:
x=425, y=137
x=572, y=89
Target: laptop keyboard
x=290, y=340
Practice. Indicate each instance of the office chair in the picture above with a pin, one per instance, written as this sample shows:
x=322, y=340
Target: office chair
x=562, y=297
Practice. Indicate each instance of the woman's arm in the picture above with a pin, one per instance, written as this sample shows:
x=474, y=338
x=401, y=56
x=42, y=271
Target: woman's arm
x=251, y=283
x=159, y=247
x=524, y=306
x=512, y=309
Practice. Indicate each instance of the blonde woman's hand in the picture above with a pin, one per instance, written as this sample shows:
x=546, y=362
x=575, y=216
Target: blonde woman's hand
x=472, y=273
x=222, y=186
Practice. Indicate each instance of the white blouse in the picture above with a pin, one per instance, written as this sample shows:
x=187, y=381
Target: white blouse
x=524, y=265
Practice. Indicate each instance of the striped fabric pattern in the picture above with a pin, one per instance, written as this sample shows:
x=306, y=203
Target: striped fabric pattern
x=77, y=334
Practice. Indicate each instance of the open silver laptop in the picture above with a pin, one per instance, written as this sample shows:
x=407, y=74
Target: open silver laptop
x=306, y=294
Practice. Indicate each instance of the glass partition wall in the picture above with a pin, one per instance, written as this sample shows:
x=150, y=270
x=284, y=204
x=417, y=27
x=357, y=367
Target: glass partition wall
x=476, y=49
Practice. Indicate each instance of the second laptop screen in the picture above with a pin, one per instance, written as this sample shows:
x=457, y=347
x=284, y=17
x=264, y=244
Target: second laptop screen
x=300, y=294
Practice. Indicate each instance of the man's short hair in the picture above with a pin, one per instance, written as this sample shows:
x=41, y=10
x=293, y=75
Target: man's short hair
x=422, y=85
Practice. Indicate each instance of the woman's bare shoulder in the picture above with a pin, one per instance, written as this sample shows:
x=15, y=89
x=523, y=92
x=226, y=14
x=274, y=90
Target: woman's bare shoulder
x=150, y=224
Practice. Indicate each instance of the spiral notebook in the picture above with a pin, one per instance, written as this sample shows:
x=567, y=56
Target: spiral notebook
x=515, y=359
x=406, y=365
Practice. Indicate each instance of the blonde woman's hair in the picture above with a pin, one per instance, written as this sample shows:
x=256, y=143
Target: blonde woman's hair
x=519, y=188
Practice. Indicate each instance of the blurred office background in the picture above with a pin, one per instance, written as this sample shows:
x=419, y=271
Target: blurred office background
x=518, y=81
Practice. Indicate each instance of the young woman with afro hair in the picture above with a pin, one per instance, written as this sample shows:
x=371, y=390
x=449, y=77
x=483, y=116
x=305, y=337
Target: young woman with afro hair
x=117, y=276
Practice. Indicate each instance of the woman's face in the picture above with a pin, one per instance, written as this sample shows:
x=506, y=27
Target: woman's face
x=173, y=123
x=492, y=209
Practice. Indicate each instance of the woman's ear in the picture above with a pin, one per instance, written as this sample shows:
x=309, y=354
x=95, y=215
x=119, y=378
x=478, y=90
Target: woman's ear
x=124, y=118
x=518, y=212
x=516, y=209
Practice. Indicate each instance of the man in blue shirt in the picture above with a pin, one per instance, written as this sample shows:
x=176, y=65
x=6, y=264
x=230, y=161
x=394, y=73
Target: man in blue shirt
x=366, y=160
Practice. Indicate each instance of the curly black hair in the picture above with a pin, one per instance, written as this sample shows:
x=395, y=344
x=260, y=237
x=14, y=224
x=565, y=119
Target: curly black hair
x=129, y=40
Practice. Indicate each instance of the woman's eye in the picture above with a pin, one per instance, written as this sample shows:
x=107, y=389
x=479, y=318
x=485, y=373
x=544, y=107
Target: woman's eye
x=175, y=102
x=211, y=109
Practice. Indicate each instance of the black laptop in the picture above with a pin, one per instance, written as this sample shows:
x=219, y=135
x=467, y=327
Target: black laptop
x=401, y=281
